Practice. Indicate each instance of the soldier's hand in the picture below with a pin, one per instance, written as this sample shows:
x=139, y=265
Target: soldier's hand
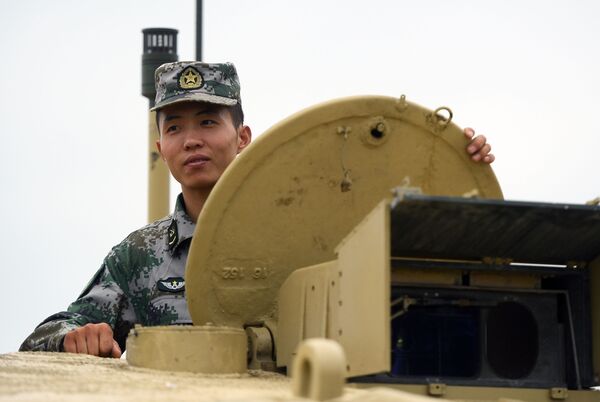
x=478, y=148
x=92, y=339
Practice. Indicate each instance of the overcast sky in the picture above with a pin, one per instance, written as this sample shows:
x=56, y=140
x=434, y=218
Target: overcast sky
x=73, y=166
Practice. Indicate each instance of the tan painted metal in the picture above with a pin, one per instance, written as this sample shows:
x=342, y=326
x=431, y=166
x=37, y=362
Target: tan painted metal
x=318, y=370
x=60, y=377
x=158, y=176
x=260, y=349
x=196, y=349
x=343, y=301
x=292, y=196
x=305, y=308
x=363, y=315
x=67, y=377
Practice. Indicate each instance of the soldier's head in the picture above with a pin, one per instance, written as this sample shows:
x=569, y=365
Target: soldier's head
x=200, y=120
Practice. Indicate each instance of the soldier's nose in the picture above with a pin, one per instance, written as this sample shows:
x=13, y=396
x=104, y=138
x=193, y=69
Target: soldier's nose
x=193, y=143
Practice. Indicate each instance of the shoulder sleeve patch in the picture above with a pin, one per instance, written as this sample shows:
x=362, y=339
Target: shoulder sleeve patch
x=172, y=284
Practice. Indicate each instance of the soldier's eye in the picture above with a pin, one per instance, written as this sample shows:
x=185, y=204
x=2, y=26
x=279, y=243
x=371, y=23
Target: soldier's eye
x=171, y=128
x=208, y=122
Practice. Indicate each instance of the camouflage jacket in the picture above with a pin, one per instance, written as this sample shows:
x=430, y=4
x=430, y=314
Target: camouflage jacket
x=140, y=282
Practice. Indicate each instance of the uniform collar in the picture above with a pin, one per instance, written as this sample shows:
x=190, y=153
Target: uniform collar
x=181, y=227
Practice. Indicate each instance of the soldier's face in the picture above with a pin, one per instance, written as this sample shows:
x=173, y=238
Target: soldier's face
x=198, y=141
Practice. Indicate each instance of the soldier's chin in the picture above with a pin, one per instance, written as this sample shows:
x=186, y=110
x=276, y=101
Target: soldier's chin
x=200, y=183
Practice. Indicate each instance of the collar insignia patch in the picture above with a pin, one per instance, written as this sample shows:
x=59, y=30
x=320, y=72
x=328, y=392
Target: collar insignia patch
x=171, y=284
x=190, y=78
x=172, y=234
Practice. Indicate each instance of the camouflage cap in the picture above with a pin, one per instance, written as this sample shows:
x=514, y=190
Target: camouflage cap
x=194, y=81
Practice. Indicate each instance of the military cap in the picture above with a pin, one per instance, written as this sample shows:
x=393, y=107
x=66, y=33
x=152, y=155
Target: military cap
x=194, y=81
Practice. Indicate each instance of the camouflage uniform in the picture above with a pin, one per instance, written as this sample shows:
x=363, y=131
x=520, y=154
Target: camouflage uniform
x=141, y=281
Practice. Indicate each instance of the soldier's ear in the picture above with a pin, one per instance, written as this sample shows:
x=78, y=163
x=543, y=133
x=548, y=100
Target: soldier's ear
x=159, y=148
x=244, y=137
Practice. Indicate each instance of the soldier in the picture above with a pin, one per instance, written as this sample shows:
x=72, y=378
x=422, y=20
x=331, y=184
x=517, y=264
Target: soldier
x=141, y=281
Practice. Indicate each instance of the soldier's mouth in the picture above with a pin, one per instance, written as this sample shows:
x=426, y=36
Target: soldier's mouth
x=196, y=160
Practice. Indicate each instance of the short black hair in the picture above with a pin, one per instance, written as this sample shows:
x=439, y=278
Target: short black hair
x=236, y=112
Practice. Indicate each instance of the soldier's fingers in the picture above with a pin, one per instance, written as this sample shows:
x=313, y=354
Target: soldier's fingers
x=485, y=149
x=482, y=153
x=469, y=132
x=489, y=158
x=91, y=341
x=80, y=342
x=69, y=344
x=476, y=144
x=116, y=350
x=106, y=343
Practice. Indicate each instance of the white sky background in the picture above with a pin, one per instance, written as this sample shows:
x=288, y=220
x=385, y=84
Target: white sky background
x=73, y=122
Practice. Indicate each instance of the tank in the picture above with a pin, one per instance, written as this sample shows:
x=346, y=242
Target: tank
x=354, y=252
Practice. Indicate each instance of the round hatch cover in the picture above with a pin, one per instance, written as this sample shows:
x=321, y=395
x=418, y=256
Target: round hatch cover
x=301, y=187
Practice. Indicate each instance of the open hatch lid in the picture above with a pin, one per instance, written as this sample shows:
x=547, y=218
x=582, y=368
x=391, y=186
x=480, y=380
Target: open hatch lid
x=288, y=200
